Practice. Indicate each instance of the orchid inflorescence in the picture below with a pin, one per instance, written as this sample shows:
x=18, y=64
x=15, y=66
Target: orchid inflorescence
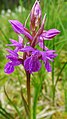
x=31, y=56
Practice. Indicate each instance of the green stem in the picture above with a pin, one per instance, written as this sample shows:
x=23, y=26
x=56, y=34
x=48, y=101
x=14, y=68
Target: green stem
x=53, y=87
x=28, y=93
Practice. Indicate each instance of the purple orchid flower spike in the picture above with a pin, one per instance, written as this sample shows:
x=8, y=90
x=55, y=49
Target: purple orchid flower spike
x=13, y=61
x=31, y=56
x=20, y=29
x=35, y=16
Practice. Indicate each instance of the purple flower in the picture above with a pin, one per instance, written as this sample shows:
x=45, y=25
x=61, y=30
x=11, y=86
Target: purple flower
x=48, y=56
x=47, y=35
x=32, y=61
x=18, y=44
x=32, y=64
x=13, y=61
x=9, y=68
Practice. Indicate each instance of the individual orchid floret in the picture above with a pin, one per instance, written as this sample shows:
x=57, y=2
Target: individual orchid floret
x=47, y=35
x=48, y=56
x=32, y=61
x=20, y=29
x=18, y=44
x=13, y=61
x=35, y=16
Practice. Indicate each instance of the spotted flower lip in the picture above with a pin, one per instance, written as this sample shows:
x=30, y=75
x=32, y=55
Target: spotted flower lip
x=20, y=29
x=9, y=68
x=32, y=64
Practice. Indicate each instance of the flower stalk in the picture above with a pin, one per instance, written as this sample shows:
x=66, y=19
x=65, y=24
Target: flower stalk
x=28, y=93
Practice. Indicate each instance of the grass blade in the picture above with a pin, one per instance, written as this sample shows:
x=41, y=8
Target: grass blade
x=15, y=107
x=6, y=113
x=60, y=73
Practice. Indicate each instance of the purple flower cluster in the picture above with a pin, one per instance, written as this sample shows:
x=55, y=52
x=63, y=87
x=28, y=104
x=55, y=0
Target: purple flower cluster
x=31, y=55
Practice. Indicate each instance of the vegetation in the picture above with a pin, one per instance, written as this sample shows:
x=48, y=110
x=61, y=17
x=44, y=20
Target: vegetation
x=48, y=90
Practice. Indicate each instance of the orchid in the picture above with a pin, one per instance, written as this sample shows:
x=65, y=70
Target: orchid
x=33, y=56
x=34, y=53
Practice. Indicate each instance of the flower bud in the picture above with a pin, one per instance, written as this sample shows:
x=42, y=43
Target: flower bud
x=35, y=16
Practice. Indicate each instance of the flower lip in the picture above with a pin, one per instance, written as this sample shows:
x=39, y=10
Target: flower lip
x=9, y=68
x=32, y=64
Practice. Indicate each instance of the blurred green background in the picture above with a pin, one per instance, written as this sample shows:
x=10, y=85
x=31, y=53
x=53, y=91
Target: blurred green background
x=56, y=11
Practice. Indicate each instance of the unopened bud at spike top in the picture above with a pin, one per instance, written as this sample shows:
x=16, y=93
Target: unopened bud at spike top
x=35, y=16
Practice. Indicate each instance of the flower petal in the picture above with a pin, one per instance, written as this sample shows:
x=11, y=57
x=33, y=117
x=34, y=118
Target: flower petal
x=34, y=65
x=12, y=52
x=12, y=58
x=47, y=66
x=20, y=29
x=20, y=39
x=51, y=33
x=17, y=62
x=9, y=68
x=14, y=43
x=41, y=44
x=27, y=49
x=26, y=63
